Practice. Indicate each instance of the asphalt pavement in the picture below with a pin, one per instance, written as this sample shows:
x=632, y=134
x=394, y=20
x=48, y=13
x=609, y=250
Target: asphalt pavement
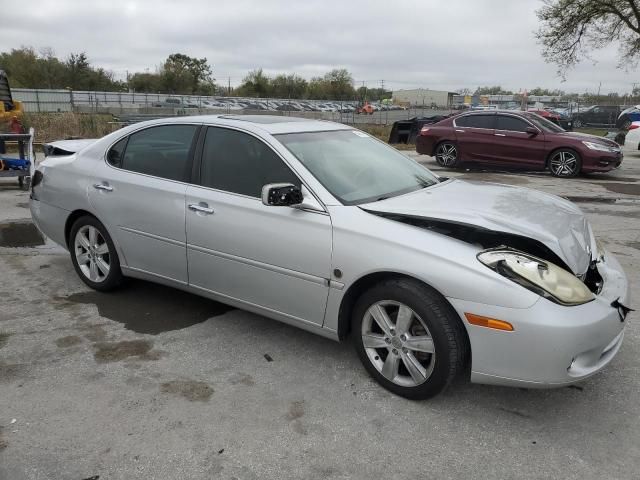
x=152, y=383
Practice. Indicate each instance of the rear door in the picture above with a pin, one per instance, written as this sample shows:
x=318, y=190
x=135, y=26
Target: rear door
x=139, y=194
x=474, y=136
x=514, y=147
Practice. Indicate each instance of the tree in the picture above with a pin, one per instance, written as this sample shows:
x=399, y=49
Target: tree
x=288, y=86
x=570, y=28
x=28, y=69
x=255, y=84
x=496, y=90
x=181, y=73
x=545, y=92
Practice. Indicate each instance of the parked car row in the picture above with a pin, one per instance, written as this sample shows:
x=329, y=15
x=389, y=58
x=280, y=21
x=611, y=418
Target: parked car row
x=236, y=104
x=508, y=138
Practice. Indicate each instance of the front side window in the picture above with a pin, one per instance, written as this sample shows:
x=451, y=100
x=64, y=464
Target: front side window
x=161, y=151
x=543, y=124
x=237, y=162
x=476, y=121
x=510, y=123
x=356, y=168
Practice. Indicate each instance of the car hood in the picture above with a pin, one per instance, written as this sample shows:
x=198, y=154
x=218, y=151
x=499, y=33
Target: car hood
x=587, y=137
x=553, y=221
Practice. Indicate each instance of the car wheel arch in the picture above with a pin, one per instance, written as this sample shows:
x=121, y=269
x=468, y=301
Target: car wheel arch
x=362, y=284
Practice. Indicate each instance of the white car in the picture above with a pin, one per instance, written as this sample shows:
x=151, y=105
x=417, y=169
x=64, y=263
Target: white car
x=321, y=226
x=632, y=139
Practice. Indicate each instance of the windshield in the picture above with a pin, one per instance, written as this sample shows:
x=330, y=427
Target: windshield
x=543, y=124
x=355, y=167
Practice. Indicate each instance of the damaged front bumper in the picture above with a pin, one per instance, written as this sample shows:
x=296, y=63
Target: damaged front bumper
x=550, y=345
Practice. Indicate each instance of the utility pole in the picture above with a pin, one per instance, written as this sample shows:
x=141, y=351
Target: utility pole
x=229, y=91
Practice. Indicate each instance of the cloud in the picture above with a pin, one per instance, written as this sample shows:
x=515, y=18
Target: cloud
x=430, y=43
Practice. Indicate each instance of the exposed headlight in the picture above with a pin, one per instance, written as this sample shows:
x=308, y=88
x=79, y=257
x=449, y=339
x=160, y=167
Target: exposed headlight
x=601, y=148
x=539, y=276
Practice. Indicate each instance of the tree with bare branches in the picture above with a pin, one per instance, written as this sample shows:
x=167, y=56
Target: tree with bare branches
x=572, y=28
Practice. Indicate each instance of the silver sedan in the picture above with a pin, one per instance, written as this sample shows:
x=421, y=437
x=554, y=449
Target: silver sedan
x=319, y=225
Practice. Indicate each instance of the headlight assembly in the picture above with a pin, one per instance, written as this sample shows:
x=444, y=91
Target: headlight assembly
x=600, y=148
x=539, y=276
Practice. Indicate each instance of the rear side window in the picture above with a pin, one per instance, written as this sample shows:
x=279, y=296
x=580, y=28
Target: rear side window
x=115, y=155
x=513, y=124
x=476, y=121
x=161, y=151
x=240, y=163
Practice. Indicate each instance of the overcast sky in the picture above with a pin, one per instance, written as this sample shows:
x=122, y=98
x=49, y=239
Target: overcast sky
x=438, y=44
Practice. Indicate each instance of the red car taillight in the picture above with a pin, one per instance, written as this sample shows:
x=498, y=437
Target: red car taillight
x=633, y=126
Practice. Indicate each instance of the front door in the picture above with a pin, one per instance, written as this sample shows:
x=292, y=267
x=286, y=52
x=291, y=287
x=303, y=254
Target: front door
x=140, y=197
x=515, y=147
x=271, y=258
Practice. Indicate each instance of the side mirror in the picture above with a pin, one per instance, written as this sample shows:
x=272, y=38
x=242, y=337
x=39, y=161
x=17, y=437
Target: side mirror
x=532, y=131
x=281, y=195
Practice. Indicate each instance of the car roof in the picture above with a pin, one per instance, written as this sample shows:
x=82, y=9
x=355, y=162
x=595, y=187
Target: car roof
x=273, y=124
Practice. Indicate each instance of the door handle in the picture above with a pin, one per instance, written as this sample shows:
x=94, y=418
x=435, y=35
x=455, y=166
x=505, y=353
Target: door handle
x=499, y=134
x=201, y=207
x=103, y=186
x=459, y=131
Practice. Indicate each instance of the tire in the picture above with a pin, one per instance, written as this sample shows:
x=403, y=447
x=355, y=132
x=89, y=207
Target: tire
x=577, y=123
x=94, y=255
x=24, y=182
x=447, y=154
x=564, y=163
x=626, y=124
x=398, y=356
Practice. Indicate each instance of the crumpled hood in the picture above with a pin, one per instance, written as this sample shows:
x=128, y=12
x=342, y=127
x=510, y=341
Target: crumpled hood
x=551, y=220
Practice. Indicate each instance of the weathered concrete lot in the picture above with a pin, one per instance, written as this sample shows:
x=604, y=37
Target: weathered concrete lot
x=148, y=382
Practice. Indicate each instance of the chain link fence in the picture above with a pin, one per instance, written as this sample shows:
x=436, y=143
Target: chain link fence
x=122, y=104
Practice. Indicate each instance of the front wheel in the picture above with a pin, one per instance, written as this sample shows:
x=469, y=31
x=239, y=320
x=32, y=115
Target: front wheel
x=577, y=123
x=94, y=255
x=564, y=163
x=409, y=338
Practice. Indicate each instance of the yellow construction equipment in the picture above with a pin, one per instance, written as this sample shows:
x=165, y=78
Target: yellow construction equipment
x=9, y=107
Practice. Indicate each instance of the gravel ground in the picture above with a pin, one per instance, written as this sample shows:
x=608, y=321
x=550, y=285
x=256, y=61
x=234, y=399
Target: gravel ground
x=148, y=382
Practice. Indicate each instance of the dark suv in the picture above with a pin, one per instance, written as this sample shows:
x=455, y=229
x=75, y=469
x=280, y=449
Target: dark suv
x=597, y=115
x=516, y=139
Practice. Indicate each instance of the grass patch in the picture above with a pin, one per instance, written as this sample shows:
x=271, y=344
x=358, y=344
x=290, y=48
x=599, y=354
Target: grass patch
x=599, y=132
x=59, y=126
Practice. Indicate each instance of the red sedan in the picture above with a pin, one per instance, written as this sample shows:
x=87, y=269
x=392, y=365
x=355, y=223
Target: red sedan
x=516, y=139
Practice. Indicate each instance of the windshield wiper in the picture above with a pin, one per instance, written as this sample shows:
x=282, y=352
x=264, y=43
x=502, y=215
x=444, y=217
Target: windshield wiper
x=384, y=197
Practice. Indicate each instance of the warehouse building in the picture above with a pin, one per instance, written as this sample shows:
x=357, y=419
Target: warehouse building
x=424, y=97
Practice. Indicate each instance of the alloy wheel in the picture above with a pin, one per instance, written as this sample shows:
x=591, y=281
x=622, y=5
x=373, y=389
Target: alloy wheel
x=446, y=154
x=563, y=164
x=398, y=343
x=92, y=253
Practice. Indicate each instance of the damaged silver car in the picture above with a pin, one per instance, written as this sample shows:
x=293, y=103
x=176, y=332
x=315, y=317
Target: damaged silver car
x=321, y=226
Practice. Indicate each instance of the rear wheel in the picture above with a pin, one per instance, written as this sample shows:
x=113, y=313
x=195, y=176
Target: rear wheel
x=577, y=123
x=409, y=338
x=564, y=163
x=447, y=154
x=94, y=255
x=626, y=124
